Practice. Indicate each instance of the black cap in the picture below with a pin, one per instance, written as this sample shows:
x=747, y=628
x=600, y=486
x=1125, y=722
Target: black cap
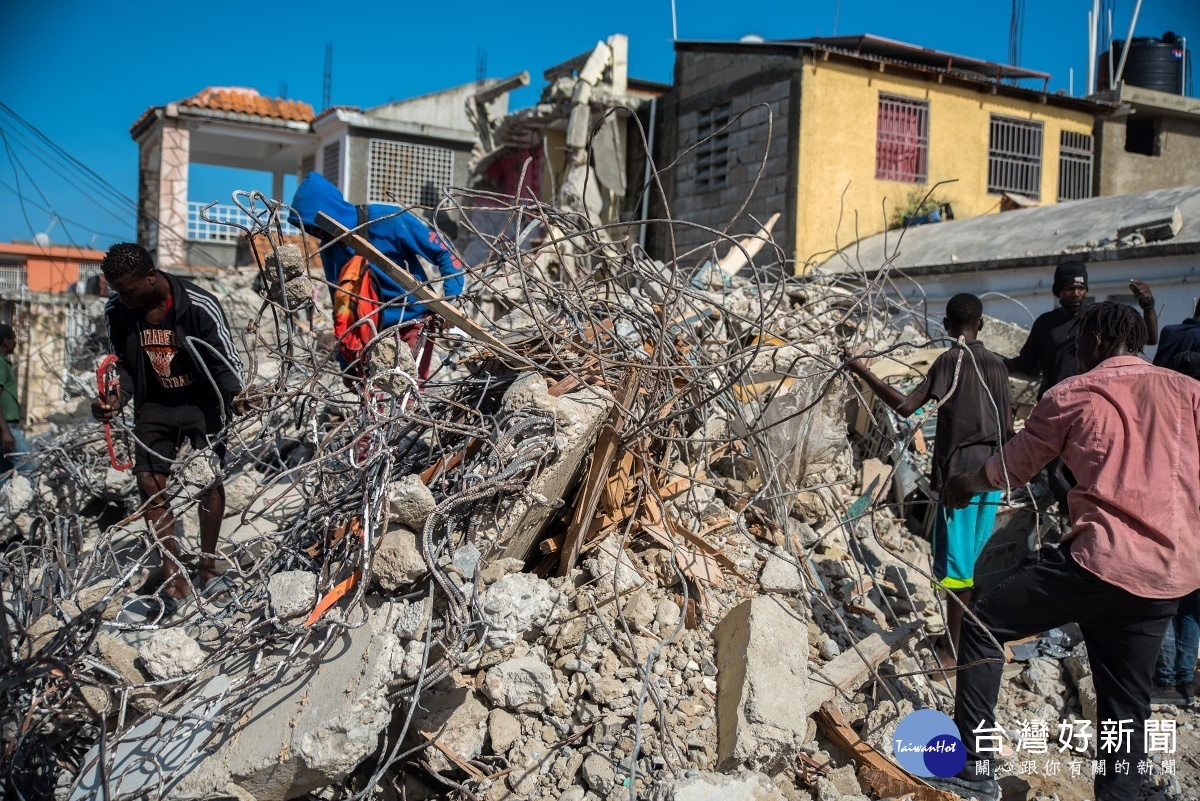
x=1067, y=273
x=6, y=332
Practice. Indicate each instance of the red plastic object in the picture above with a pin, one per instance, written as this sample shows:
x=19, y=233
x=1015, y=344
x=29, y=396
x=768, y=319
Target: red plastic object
x=106, y=380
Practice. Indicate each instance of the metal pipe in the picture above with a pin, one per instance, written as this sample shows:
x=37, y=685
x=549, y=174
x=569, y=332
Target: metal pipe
x=1110, y=50
x=1128, y=41
x=646, y=179
x=1183, y=68
x=1091, y=63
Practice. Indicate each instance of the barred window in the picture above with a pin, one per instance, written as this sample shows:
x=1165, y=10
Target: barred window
x=308, y=164
x=12, y=274
x=1015, y=157
x=331, y=163
x=902, y=139
x=410, y=175
x=88, y=269
x=1074, y=166
x=712, y=154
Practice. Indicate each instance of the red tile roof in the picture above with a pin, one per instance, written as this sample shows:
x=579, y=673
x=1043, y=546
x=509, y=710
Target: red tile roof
x=240, y=100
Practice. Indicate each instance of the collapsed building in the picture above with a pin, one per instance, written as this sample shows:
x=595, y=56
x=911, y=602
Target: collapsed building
x=621, y=544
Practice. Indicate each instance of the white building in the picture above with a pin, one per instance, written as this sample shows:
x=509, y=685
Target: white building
x=1008, y=259
x=405, y=152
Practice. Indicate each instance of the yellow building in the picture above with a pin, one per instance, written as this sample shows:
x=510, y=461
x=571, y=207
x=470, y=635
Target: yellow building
x=843, y=135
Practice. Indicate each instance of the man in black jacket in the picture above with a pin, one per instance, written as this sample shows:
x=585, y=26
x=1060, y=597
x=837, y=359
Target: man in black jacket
x=178, y=363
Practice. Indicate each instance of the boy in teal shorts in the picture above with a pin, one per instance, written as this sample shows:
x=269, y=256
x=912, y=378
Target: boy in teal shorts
x=973, y=421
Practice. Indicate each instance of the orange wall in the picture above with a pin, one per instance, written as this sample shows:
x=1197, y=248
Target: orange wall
x=50, y=269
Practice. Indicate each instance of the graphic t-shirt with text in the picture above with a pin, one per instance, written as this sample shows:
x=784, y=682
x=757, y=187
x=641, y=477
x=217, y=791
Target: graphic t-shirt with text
x=172, y=372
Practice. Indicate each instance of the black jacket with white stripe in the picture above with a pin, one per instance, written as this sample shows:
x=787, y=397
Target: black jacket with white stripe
x=202, y=330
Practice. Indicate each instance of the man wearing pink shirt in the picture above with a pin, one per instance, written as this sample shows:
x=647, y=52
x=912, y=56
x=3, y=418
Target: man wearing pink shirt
x=1130, y=433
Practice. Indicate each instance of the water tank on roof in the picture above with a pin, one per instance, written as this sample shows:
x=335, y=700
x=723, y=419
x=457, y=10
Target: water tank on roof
x=1158, y=64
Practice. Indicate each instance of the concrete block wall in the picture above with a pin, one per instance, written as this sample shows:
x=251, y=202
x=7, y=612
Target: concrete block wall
x=1119, y=172
x=707, y=80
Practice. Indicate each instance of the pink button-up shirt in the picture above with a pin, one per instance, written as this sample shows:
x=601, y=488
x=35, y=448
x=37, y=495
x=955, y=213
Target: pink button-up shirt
x=1130, y=433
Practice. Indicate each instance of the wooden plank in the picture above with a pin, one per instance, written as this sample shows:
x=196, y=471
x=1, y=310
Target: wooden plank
x=886, y=778
x=454, y=757
x=588, y=498
x=850, y=668
x=417, y=289
x=697, y=565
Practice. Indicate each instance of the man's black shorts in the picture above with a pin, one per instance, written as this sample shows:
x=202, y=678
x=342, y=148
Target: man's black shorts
x=161, y=430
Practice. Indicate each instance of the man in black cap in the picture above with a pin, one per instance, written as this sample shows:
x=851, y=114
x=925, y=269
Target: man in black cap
x=1050, y=349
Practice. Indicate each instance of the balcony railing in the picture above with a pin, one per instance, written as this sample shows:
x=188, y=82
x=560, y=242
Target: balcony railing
x=218, y=230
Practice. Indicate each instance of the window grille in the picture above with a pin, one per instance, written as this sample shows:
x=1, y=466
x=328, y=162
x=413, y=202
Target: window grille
x=331, y=163
x=88, y=269
x=1074, y=166
x=12, y=274
x=902, y=140
x=410, y=175
x=1015, y=157
x=308, y=164
x=712, y=154
x=224, y=221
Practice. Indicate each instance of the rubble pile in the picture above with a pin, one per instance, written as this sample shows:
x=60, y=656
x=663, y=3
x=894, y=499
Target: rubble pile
x=618, y=546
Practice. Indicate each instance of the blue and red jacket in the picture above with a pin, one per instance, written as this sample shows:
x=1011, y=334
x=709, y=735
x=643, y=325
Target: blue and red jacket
x=401, y=237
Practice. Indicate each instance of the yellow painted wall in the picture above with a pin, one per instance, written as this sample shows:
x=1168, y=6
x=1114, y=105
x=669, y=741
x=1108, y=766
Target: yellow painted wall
x=838, y=120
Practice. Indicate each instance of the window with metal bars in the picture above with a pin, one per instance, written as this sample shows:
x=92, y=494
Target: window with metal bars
x=1015, y=157
x=308, y=164
x=12, y=275
x=902, y=139
x=1074, y=166
x=88, y=269
x=712, y=154
x=331, y=163
x=407, y=174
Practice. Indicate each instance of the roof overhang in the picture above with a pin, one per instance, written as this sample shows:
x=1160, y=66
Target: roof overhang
x=367, y=123
x=826, y=52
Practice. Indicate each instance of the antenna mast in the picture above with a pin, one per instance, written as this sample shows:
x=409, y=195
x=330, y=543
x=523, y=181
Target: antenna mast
x=327, y=84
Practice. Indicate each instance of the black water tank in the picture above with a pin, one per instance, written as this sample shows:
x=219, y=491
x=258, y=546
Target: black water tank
x=1151, y=64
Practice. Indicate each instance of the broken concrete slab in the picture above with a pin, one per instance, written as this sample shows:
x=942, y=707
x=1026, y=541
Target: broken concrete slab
x=579, y=416
x=398, y=561
x=292, y=593
x=762, y=682
x=122, y=658
x=410, y=503
x=750, y=786
x=517, y=603
x=782, y=575
x=159, y=746
x=524, y=685
x=503, y=730
x=457, y=719
x=317, y=723
x=170, y=654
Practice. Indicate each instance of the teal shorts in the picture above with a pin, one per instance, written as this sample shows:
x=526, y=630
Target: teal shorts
x=958, y=538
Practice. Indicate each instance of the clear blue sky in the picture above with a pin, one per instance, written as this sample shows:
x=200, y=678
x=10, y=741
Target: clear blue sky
x=83, y=72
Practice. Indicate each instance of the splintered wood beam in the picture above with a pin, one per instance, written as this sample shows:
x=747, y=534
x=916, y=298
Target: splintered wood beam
x=588, y=498
x=885, y=777
x=849, y=670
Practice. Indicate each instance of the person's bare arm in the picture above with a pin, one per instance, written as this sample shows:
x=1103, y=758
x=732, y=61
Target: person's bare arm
x=1145, y=299
x=959, y=489
x=903, y=405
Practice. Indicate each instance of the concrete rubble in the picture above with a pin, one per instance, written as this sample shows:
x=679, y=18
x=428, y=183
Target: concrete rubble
x=620, y=545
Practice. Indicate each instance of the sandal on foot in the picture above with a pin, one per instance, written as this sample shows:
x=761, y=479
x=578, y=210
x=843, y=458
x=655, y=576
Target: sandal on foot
x=218, y=590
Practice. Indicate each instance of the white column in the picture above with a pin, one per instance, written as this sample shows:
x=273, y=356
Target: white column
x=277, y=186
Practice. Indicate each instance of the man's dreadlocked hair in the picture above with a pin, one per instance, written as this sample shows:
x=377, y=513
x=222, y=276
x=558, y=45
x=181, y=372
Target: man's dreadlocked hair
x=1115, y=322
x=126, y=258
